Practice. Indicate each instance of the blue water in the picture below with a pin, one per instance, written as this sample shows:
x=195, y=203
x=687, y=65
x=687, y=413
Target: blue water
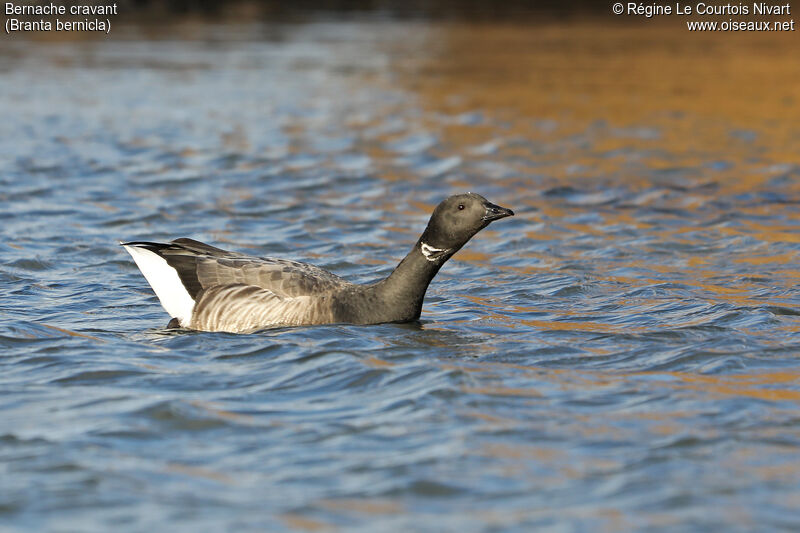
x=620, y=355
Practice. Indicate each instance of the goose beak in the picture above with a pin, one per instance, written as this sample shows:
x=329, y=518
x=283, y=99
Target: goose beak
x=494, y=212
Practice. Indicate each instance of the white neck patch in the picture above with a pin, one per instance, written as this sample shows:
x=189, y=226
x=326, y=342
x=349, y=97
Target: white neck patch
x=431, y=253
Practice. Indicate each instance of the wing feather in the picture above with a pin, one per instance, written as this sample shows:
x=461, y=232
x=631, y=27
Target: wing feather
x=201, y=267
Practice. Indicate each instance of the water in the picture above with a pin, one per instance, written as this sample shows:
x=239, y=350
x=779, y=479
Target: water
x=621, y=355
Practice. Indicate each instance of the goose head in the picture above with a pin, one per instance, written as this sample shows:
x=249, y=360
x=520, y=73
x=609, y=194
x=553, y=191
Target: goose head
x=455, y=221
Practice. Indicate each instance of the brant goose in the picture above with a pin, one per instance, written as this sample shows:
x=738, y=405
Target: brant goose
x=209, y=289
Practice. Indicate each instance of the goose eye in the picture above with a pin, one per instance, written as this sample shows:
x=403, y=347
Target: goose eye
x=460, y=207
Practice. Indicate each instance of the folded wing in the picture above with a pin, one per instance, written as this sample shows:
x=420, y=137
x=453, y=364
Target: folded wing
x=200, y=266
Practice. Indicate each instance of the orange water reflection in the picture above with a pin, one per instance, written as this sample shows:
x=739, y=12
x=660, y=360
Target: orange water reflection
x=765, y=385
